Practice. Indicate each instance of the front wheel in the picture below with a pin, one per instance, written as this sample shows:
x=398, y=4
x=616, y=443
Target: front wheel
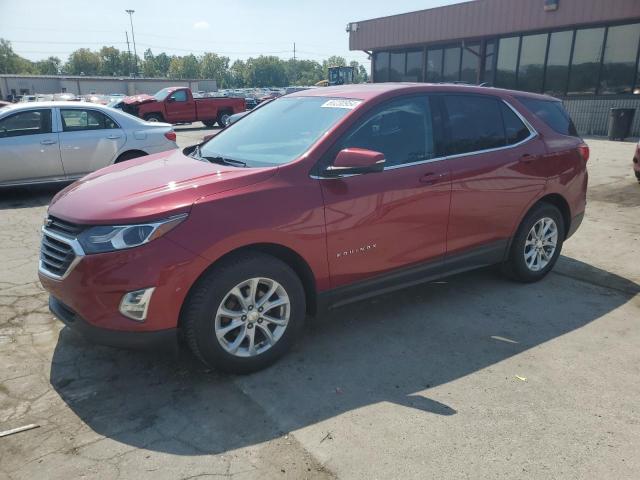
x=537, y=245
x=245, y=313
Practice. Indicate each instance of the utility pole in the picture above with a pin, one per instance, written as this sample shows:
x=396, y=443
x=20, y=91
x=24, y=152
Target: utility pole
x=133, y=37
x=128, y=50
x=295, y=69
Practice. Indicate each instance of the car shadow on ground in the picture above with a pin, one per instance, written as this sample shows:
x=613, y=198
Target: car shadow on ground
x=29, y=196
x=392, y=348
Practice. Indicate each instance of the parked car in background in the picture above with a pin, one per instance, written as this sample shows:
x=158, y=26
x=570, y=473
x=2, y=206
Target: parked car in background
x=314, y=200
x=177, y=105
x=636, y=162
x=62, y=141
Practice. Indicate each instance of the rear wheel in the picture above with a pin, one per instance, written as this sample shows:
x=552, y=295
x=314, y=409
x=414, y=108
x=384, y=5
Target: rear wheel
x=154, y=117
x=223, y=119
x=209, y=123
x=245, y=313
x=537, y=245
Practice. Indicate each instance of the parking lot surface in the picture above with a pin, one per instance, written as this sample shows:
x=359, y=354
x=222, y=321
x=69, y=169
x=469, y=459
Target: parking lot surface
x=469, y=377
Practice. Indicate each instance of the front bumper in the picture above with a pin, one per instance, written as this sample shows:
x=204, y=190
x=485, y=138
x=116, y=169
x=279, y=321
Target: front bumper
x=113, y=338
x=94, y=288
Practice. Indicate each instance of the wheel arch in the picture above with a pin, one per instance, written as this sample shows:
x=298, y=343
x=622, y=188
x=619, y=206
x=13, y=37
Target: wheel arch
x=282, y=253
x=554, y=199
x=133, y=150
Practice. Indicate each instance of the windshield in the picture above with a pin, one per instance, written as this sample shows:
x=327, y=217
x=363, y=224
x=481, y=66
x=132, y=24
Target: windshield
x=278, y=132
x=162, y=94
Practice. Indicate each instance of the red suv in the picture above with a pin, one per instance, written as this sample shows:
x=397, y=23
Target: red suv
x=320, y=198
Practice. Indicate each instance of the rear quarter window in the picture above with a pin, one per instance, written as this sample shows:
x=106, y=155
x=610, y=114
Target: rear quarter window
x=552, y=113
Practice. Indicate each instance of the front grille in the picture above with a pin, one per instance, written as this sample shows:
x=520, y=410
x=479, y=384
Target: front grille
x=57, y=252
x=63, y=227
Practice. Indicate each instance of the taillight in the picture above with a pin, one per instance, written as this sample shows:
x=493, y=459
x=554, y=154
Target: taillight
x=172, y=136
x=584, y=151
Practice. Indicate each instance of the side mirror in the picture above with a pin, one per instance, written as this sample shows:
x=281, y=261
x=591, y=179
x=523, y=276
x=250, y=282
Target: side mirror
x=171, y=100
x=356, y=161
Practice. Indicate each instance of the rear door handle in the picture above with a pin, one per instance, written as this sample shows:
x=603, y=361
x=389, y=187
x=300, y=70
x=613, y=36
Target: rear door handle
x=48, y=142
x=528, y=158
x=114, y=137
x=432, y=177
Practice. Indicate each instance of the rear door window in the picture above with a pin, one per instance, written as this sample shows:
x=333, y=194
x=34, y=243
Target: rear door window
x=515, y=130
x=74, y=120
x=474, y=123
x=552, y=113
x=31, y=122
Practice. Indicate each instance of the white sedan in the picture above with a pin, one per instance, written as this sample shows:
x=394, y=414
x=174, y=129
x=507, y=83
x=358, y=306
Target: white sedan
x=63, y=141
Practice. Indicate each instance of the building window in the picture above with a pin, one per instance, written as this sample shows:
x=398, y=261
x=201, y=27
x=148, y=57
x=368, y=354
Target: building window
x=381, y=67
x=507, y=62
x=397, y=66
x=619, y=66
x=414, y=66
x=557, y=75
x=451, y=68
x=531, y=66
x=434, y=65
x=490, y=62
x=585, y=64
x=470, y=63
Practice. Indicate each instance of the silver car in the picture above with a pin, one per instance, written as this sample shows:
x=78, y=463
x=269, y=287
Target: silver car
x=62, y=141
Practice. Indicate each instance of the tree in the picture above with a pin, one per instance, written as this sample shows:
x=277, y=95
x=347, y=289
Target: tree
x=10, y=62
x=303, y=72
x=266, y=71
x=83, y=62
x=162, y=62
x=190, y=67
x=50, y=66
x=149, y=64
x=360, y=73
x=110, y=61
x=215, y=67
x=237, y=73
x=175, y=67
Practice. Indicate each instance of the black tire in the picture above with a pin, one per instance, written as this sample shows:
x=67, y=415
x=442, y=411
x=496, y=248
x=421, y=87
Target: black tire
x=130, y=156
x=154, y=117
x=209, y=123
x=199, y=311
x=516, y=267
x=221, y=118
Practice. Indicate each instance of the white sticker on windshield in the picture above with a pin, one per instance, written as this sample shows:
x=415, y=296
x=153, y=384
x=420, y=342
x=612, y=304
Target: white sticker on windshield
x=341, y=103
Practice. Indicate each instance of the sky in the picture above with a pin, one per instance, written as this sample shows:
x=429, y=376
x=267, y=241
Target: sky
x=236, y=28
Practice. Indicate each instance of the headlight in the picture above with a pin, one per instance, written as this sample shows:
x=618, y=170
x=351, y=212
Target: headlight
x=105, y=238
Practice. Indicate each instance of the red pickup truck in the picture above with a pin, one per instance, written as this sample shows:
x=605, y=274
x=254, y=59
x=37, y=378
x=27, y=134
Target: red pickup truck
x=177, y=105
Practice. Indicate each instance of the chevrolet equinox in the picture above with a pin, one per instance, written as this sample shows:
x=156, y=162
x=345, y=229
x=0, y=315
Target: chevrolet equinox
x=320, y=198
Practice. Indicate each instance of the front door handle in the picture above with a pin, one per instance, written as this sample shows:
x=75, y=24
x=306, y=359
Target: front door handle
x=114, y=137
x=431, y=178
x=528, y=158
x=48, y=142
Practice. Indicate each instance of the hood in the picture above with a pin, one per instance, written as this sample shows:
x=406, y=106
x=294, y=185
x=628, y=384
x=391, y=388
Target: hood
x=138, y=99
x=148, y=187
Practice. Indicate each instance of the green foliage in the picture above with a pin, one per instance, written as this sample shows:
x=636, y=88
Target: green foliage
x=50, y=66
x=262, y=71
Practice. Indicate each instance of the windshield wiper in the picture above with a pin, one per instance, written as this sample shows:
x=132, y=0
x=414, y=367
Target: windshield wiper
x=226, y=161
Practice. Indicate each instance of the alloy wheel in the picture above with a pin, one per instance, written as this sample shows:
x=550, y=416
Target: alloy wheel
x=252, y=317
x=541, y=244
